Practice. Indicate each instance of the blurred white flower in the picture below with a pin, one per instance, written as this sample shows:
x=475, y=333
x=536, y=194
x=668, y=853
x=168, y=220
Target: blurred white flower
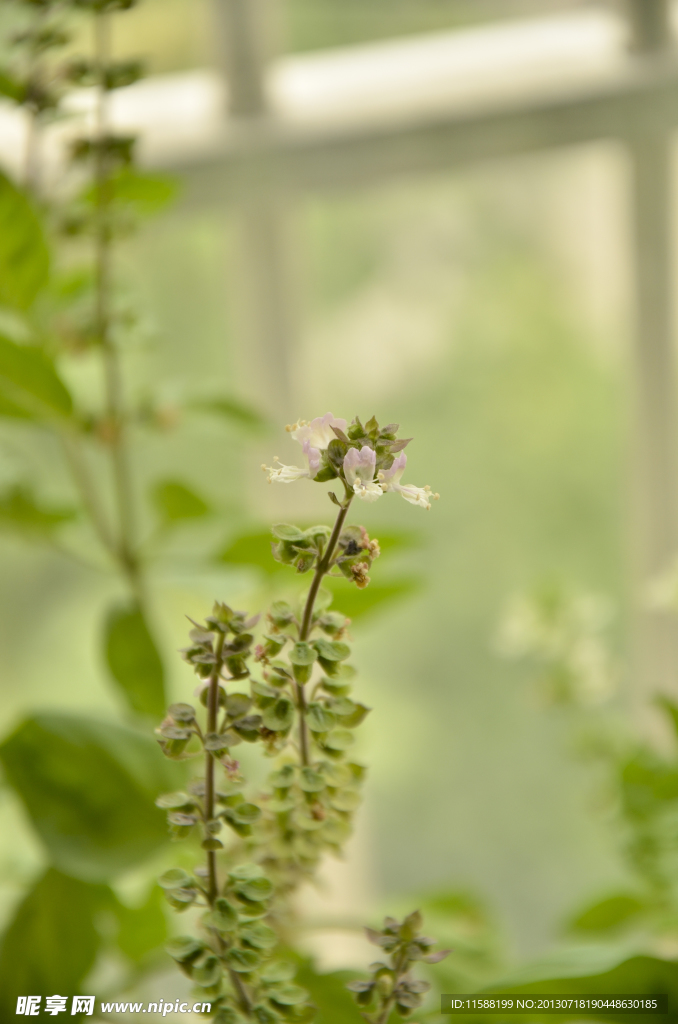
x=318, y=432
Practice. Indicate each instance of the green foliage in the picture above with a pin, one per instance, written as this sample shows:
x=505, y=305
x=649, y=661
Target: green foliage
x=328, y=992
x=20, y=510
x=133, y=659
x=232, y=410
x=175, y=502
x=89, y=789
x=609, y=914
x=145, y=194
x=141, y=930
x=52, y=941
x=596, y=970
x=30, y=386
x=24, y=256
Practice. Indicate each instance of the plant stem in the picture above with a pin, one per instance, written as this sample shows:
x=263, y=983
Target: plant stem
x=321, y=570
x=212, y=714
x=115, y=420
x=213, y=887
x=401, y=971
x=241, y=991
x=88, y=494
x=31, y=168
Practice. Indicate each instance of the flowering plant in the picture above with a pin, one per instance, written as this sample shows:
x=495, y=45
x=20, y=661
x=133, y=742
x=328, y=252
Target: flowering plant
x=290, y=692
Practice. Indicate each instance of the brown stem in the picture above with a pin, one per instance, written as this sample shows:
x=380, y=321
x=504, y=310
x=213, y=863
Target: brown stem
x=212, y=714
x=115, y=420
x=322, y=568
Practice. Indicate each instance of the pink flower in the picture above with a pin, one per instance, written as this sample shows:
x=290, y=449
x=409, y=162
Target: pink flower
x=359, y=469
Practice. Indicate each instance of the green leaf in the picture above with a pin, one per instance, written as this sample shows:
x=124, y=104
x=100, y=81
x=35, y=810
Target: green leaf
x=256, y=889
x=671, y=709
x=259, y=935
x=251, y=549
x=208, y=972
x=29, y=382
x=175, y=502
x=51, y=942
x=224, y=917
x=231, y=409
x=175, y=878
x=134, y=661
x=340, y=739
x=302, y=653
x=357, y=603
x=594, y=970
x=184, y=947
x=89, y=788
x=608, y=914
x=11, y=88
x=279, y=716
x=310, y=780
x=141, y=930
x=242, y=960
x=24, y=256
x=145, y=193
x=285, y=531
x=332, y=650
x=319, y=718
x=289, y=995
x=245, y=813
x=20, y=510
x=328, y=992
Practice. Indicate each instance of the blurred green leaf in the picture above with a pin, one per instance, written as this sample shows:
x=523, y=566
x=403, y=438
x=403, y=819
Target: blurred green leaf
x=51, y=942
x=175, y=502
x=671, y=709
x=357, y=603
x=231, y=409
x=328, y=992
x=254, y=548
x=20, y=510
x=609, y=913
x=24, y=256
x=29, y=383
x=10, y=87
x=595, y=970
x=146, y=193
x=454, y=904
x=133, y=660
x=89, y=788
x=142, y=930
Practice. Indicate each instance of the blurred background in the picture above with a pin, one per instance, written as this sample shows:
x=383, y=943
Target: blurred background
x=454, y=214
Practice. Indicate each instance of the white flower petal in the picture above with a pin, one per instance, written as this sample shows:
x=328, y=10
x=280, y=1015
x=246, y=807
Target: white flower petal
x=318, y=432
x=282, y=474
x=392, y=476
x=367, y=491
x=359, y=465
